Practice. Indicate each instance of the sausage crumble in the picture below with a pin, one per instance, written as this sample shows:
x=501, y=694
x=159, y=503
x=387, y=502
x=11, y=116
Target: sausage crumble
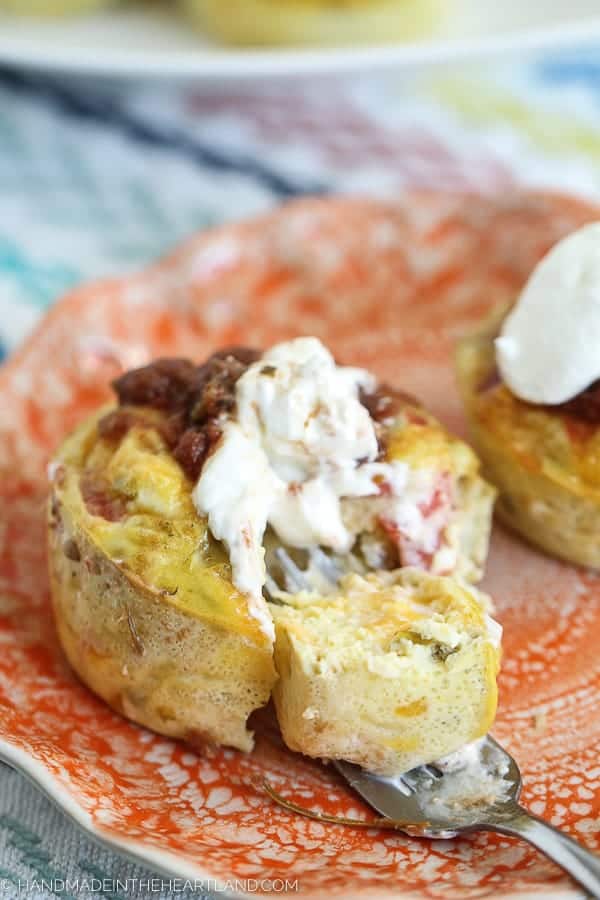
x=192, y=397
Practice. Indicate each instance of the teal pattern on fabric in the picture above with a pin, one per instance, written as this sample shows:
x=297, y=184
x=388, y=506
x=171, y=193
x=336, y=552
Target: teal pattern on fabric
x=29, y=845
x=87, y=866
x=41, y=282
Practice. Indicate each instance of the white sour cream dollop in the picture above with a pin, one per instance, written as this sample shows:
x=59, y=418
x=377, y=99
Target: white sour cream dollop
x=300, y=455
x=549, y=347
x=301, y=440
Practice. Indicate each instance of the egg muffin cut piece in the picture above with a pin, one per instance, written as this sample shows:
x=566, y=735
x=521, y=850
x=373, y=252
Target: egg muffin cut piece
x=544, y=461
x=393, y=671
x=144, y=603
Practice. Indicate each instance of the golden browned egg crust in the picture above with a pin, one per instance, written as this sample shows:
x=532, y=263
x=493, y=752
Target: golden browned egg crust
x=314, y=22
x=51, y=8
x=143, y=599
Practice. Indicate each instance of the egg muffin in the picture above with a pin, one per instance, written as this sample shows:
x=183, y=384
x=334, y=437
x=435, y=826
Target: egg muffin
x=314, y=22
x=391, y=672
x=543, y=459
x=51, y=8
x=162, y=508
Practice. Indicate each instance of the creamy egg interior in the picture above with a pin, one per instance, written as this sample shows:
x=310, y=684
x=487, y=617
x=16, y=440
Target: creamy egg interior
x=394, y=671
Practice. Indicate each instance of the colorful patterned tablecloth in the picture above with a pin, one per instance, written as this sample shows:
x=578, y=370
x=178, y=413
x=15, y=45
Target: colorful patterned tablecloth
x=97, y=179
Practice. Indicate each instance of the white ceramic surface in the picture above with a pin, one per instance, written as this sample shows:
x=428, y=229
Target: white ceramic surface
x=151, y=41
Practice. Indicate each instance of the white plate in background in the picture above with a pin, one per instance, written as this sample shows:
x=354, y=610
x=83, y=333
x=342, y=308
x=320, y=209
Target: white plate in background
x=153, y=41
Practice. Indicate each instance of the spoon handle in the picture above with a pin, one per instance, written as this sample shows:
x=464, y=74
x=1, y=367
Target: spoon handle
x=580, y=863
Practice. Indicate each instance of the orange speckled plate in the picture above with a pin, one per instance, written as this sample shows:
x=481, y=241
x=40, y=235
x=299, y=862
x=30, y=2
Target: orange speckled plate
x=386, y=286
